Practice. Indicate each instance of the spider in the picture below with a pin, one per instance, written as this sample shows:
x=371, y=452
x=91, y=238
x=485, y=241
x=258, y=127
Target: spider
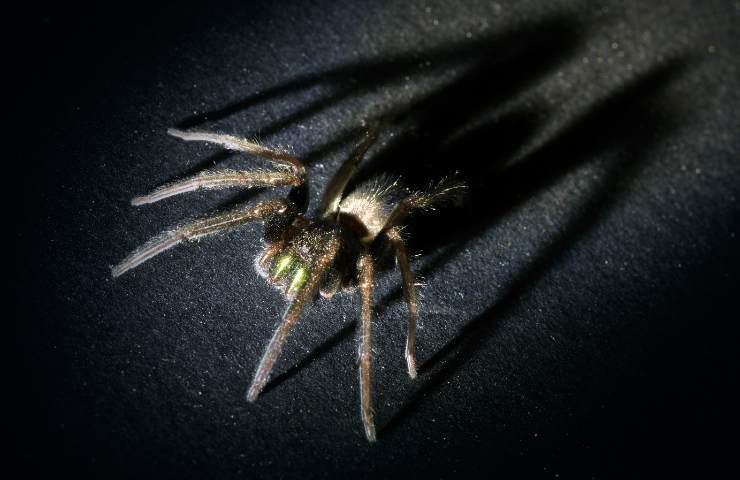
x=336, y=250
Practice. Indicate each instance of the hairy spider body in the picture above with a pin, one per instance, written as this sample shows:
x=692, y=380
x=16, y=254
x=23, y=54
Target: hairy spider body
x=302, y=257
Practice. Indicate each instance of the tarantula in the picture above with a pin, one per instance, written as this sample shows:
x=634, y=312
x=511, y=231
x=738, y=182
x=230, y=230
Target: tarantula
x=338, y=249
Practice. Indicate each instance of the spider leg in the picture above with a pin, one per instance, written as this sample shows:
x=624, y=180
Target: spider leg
x=221, y=179
x=409, y=291
x=291, y=315
x=231, y=142
x=420, y=200
x=365, y=266
x=196, y=229
x=333, y=193
x=424, y=200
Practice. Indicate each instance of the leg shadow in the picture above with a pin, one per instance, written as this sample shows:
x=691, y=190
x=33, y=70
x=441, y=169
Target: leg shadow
x=317, y=353
x=508, y=61
x=529, y=54
x=631, y=121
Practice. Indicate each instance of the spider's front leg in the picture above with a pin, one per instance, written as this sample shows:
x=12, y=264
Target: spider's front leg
x=365, y=268
x=196, y=229
x=275, y=155
x=220, y=179
x=292, y=173
x=301, y=299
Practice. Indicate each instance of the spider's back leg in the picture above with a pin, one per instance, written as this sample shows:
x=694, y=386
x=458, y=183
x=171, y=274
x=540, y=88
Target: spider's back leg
x=275, y=155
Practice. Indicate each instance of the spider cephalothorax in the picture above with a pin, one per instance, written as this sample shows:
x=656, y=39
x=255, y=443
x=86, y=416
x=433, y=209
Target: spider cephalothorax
x=302, y=256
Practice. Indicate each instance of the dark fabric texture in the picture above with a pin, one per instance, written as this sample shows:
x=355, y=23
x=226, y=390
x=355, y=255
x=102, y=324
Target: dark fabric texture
x=577, y=315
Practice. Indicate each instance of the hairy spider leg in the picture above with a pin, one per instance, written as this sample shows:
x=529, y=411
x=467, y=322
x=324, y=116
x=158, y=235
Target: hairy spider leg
x=332, y=196
x=217, y=179
x=409, y=292
x=196, y=229
x=443, y=190
x=302, y=297
x=231, y=142
x=294, y=176
x=420, y=200
x=365, y=272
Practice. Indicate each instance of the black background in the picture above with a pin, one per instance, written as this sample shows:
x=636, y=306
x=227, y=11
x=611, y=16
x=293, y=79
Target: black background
x=578, y=314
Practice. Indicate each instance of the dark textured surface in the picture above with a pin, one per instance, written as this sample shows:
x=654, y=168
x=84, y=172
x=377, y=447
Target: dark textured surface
x=578, y=314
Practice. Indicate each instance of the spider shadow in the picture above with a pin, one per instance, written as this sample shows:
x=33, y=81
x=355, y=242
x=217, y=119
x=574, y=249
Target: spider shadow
x=629, y=122
x=612, y=124
x=327, y=346
x=463, y=121
x=503, y=65
x=371, y=75
x=530, y=54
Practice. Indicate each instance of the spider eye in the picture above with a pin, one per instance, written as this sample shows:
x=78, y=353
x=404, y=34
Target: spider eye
x=282, y=265
x=298, y=278
x=289, y=268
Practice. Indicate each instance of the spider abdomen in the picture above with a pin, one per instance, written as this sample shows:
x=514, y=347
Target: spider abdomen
x=367, y=208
